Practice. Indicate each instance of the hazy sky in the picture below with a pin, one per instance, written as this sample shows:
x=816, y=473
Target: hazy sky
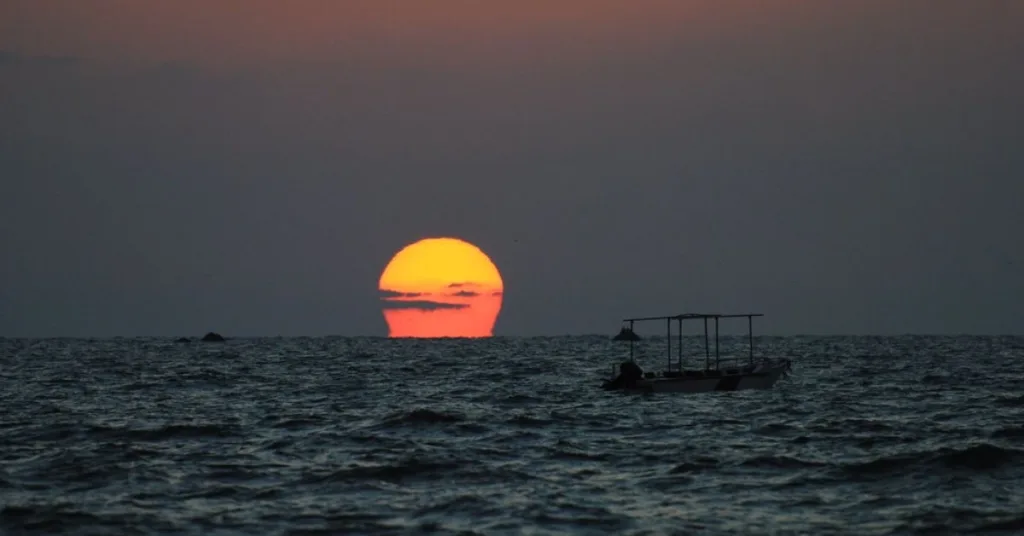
x=170, y=168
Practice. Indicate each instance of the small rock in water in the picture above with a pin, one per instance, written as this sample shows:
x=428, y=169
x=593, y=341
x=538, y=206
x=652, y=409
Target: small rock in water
x=184, y=339
x=212, y=337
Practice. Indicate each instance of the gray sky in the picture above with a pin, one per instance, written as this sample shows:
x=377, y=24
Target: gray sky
x=843, y=168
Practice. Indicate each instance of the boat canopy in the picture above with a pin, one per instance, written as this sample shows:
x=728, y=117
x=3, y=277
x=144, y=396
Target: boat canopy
x=706, y=318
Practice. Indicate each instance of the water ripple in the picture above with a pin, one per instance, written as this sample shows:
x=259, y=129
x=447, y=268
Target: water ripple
x=870, y=435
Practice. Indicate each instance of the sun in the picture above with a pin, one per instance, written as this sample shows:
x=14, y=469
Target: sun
x=441, y=287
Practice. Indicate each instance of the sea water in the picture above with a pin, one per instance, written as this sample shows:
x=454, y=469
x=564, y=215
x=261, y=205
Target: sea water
x=868, y=435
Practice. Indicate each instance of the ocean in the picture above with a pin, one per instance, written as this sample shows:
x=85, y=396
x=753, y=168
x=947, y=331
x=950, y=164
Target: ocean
x=868, y=435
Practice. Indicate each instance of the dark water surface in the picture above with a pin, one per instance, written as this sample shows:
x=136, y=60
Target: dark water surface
x=869, y=435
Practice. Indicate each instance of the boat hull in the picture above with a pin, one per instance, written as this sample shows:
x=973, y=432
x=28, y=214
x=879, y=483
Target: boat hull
x=764, y=376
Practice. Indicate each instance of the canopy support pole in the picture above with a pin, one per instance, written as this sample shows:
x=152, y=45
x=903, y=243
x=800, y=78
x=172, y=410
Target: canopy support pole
x=680, y=346
x=668, y=342
x=750, y=337
x=707, y=349
x=718, y=360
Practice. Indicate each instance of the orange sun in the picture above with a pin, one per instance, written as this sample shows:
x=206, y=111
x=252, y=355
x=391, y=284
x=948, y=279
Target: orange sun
x=441, y=287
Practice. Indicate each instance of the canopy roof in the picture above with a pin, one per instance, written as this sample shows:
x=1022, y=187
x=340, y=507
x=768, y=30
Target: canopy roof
x=693, y=316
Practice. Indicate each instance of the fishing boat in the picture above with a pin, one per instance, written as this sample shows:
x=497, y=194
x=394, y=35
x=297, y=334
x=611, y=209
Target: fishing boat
x=718, y=373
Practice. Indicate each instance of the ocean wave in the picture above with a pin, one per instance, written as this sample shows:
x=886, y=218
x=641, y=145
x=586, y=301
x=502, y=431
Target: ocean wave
x=164, y=433
x=1009, y=432
x=956, y=519
x=1010, y=401
x=392, y=472
x=977, y=457
x=303, y=436
x=419, y=416
x=698, y=464
x=781, y=462
x=47, y=518
x=1014, y=523
x=295, y=423
x=528, y=421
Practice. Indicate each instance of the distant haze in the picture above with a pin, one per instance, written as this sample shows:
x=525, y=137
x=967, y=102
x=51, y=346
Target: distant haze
x=250, y=167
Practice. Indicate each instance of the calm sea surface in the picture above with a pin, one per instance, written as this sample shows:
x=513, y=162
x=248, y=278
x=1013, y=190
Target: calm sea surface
x=868, y=435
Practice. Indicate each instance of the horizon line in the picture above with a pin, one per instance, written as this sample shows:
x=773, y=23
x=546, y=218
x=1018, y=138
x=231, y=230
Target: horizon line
x=197, y=338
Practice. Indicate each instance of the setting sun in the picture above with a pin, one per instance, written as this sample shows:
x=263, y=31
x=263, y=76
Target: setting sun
x=441, y=287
